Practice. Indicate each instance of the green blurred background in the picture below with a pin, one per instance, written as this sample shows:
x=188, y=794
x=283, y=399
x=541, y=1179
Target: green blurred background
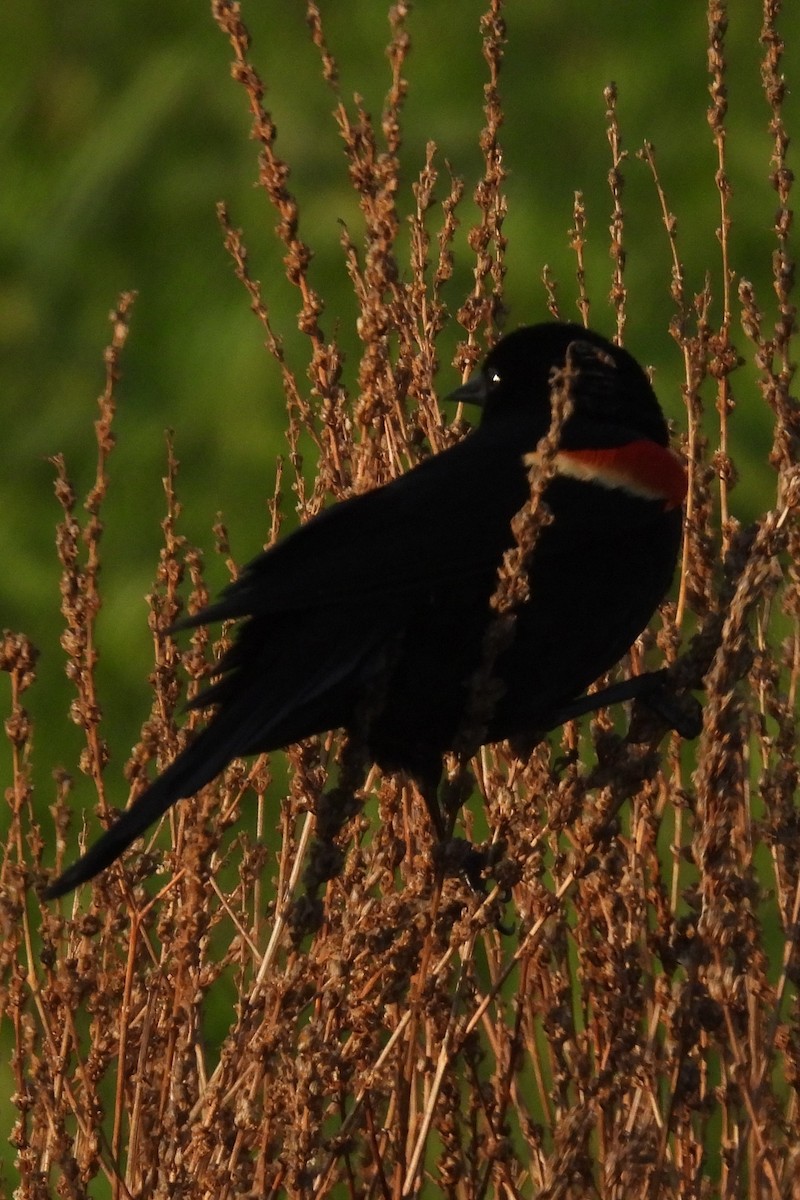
x=121, y=128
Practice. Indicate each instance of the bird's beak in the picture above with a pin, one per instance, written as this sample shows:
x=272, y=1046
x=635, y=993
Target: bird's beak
x=474, y=391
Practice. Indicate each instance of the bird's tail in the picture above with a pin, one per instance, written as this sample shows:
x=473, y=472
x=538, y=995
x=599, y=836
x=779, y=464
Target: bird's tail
x=202, y=759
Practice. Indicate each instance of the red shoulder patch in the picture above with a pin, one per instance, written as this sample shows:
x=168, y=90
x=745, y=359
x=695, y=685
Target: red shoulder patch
x=643, y=468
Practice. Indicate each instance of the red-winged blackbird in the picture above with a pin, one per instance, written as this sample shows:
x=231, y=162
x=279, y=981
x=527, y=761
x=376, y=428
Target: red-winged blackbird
x=374, y=615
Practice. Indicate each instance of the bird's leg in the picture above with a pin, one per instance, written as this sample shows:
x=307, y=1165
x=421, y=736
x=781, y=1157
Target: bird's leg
x=428, y=790
x=637, y=687
x=652, y=688
x=456, y=856
x=456, y=789
x=665, y=706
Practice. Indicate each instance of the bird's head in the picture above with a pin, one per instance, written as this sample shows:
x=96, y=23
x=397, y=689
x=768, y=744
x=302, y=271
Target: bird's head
x=610, y=391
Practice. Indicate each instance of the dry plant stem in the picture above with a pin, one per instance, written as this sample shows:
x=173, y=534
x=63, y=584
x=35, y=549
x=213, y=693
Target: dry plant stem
x=778, y=384
x=299, y=411
x=80, y=598
x=484, y=308
x=616, y=181
x=725, y=358
x=443, y=1063
x=551, y=293
x=325, y=366
x=273, y=171
x=679, y=332
x=577, y=236
x=266, y=961
x=18, y=658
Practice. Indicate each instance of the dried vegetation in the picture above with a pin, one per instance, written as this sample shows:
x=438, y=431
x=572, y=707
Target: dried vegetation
x=295, y=1015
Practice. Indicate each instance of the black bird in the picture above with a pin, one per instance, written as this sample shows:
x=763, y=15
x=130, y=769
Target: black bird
x=373, y=616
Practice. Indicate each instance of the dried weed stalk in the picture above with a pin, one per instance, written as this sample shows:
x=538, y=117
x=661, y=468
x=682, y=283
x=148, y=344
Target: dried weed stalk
x=637, y=1034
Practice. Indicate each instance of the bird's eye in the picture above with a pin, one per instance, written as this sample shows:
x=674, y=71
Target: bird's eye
x=495, y=379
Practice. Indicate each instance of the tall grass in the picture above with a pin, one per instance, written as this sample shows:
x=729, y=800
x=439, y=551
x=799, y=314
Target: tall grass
x=294, y=1002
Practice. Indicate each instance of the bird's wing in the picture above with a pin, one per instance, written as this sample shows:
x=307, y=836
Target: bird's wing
x=446, y=521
